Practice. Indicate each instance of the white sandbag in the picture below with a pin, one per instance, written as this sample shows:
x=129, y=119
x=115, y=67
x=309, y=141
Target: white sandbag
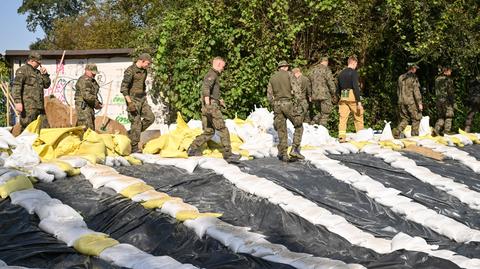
x=350, y=147
x=55, y=226
x=404, y=241
x=331, y=221
x=119, y=184
x=70, y=235
x=90, y=171
x=110, y=161
x=52, y=209
x=379, y=245
x=286, y=257
x=372, y=149
x=123, y=255
x=321, y=263
x=21, y=197
x=425, y=128
x=147, y=196
x=188, y=164
x=242, y=239
x=226, y=233
x=101, y=180
x=75, y=162
x=47, y=172
x=387, y=132
x=2, y=263
x=8, y=137
x=145, y=158
x=369, y=186
x=122, y=161
x=173, y=207
x=261, y=248
x=386, y=192
x=212, y=163
x=3, y=144
x=157, y=262
x=270, y=190
x=23, y=155
x=363, y=135
x=201, y=224
x=167, y=161
x=403, y=163
x=281, y=197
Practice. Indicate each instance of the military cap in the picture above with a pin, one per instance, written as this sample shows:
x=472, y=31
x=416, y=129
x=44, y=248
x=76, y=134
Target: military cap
x=282, y=63
x=145, y=57
x=35, y=56
x=92, y=67
x=412, y=65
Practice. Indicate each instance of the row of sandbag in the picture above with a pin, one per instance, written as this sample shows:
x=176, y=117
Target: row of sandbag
x=397, y=160
x=453, y=153
x=3, y=265
x=64, y=223
x=238, y=239
x=390, y=197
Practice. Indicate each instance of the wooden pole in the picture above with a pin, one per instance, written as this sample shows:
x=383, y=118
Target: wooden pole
x=71, y=109
x=104, y=120
x=56, y=74
x=8, y=108
x=9, y=100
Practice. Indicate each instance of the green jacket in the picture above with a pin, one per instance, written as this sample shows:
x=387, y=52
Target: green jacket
x=133, y=83
x=28, y=87
x=409, y=89
x=301, y=88
x=279, y=87
x=86, y=90
x=211, y=85
x=323, y=83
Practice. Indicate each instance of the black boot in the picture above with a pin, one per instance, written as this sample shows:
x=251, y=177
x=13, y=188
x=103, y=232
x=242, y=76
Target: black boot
x=191, y=151
x=232, y=158
x=295, y=153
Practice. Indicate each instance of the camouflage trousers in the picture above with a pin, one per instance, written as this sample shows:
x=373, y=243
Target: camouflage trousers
x=445, y=113
x=474, y=108
x=140, y=120
x=212, y=120
x=409, y=113
x=29, y=115
x=283, y=110
x=324, y=108
x=85, y=117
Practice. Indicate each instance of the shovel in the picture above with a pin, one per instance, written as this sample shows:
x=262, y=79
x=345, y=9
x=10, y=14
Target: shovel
x=103, y=128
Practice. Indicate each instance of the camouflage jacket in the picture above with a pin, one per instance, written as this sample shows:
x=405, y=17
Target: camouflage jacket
x=408, y=90
x=211, y=85
x=279, y=86
x=133, y=83
x=444, y=88
x=28, y=87
x=323, y=83
x=86, y=90
x=301, y=88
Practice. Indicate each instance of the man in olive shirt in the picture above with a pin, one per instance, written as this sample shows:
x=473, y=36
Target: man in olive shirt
x=28, y=92
x=350, y=100
x=86, y=97
x=409, y=101
x=280, y=96
x=445, y=91
x=302, y=92
x=133, y=88
x=212, y=118
x=323, y=91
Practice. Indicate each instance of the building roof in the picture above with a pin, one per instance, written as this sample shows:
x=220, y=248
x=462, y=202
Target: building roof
x=71, y=54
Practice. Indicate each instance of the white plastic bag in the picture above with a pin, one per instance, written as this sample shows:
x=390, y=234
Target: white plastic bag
x=425, y=129
x=387, y=132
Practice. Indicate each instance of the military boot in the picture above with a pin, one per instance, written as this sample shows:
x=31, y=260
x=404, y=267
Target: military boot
x=191, y=151
x=295, y=153
x=231, y=158
x=285, y=158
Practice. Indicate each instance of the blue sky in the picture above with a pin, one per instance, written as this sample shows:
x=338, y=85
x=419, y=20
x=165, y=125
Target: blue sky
x=13, y=30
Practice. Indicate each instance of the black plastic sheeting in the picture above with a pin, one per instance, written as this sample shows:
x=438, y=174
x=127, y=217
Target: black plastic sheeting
x=22, y=243
x=211, y=192
x=473, y=150
x=422, y=193
x=148, y=230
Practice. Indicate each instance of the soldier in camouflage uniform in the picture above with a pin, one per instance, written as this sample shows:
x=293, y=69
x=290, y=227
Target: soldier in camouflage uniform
x=474, y=100
x=323, y=91
x=28, y=92
x=409, y=101
x=133, y=88
x=445, y=92
x=86, y=97
x=302, y=92
x=212, y=118
x=280, y=96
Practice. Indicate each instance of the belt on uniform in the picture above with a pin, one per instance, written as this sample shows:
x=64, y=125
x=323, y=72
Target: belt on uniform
x=139, y=95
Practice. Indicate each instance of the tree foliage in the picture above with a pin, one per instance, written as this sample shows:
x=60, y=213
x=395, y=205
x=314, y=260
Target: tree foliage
x=253, y=35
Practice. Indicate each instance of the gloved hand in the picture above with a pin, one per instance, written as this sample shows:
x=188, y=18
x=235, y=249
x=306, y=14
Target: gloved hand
x=131, y=107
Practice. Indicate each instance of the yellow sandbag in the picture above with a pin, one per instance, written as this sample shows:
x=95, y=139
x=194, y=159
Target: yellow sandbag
x=158, y=203
x=408, y=143
x=123, y=145
x=456, y=141
x=67, y=145
x=94, y=244
x=155, y=145
x=70, y=170
x=52, y=136
x=34, y=126
x=132, y=160
x=359, y=144
x=192, y=214
x=92, y=144
x=108, y=140
x=45, y=152
x=135, y=189
x=166, y=153
x=390, y=144
x=17, y=183
x=470, y=136
x=181, y=122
